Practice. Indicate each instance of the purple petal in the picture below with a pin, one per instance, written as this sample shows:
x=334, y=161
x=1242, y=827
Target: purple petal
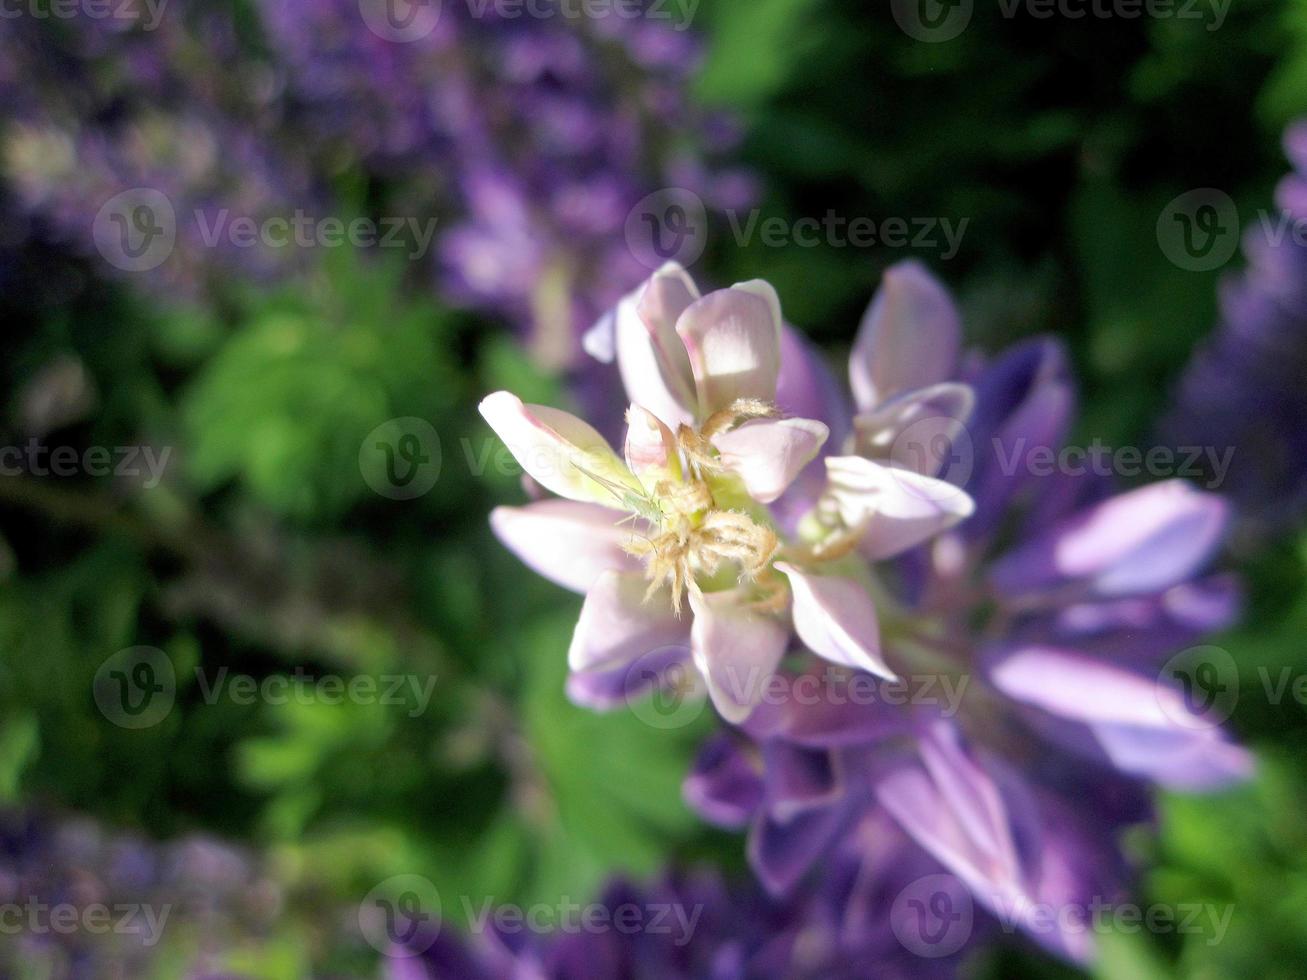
x=909, y=337
x=736, y=649
x=1138, y=542
x=725, y=786
x=617, y=625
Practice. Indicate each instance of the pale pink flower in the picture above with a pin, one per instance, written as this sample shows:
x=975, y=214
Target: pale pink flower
x=673, y=542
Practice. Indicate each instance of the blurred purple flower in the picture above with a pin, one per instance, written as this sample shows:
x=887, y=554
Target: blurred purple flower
x=1243, y=389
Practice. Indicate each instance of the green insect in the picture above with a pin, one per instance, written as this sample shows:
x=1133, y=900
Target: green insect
x=640, y=503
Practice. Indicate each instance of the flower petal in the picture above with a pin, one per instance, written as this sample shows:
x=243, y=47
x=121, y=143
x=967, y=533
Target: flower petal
x=650, y=446
x=725, y=786
x=736, y=649
x=733, y=340
x=897, y=508
x=920, y=430
x=780, y=853
x=1131, y=544
x=567, y=542
x=836, y=618
x=617, y=626
x=909, y=337
x=558, y=450
x=652, y=360
x=767, y=454
x=1144, y=728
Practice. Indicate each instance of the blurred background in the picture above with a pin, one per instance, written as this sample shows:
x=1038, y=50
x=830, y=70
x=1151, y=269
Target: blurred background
x=259, y=260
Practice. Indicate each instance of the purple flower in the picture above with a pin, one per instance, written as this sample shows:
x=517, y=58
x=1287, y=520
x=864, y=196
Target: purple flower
x=1031, y=716
x=707, y=449
x=1242, y=392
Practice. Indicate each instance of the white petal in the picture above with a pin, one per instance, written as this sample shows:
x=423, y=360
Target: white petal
x=898, y=508
x=650, y=446
x=652, y=360
x=617, y=626
x=736, y=649
x=767, y=454
x=733, y=340
x=567, y=542
x=836, y=618
x=558, y=450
